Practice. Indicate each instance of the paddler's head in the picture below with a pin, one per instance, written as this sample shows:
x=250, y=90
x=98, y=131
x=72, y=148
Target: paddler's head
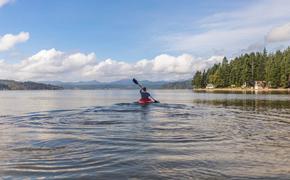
x=144, y=89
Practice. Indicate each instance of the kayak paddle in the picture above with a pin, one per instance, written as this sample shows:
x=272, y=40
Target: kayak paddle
x=136, y=82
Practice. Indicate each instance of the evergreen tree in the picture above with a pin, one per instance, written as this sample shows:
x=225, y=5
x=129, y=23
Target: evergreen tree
x=217, y=78
x=283, y=74
x=224, y=73
x=197, y=80
x=203, y=79
x=261, y=66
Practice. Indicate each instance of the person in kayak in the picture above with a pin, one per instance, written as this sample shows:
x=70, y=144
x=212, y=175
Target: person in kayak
x=144, y=94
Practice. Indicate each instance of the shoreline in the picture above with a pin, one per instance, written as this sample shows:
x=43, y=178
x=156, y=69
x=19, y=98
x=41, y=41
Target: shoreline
x=242, y=90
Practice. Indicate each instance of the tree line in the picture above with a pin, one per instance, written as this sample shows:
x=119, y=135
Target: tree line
x=273, y=68
x=16, y=85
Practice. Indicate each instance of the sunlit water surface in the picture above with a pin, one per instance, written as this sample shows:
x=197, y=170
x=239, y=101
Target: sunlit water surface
x=104, y=134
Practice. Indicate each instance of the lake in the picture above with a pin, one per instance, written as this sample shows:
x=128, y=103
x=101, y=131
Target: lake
x=104, y=134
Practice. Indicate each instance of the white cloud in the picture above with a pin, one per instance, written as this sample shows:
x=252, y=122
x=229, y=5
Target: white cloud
x=4, y=2
x=53, y=64
x=232, y=31
x=162, y=67
x=224, y=41
x=279, y=33
x=56, y=65
x=8, y=41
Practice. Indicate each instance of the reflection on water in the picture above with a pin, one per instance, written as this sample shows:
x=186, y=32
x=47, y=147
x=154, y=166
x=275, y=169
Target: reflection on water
x=202, y=136
x=254, y=104
x=220, y=91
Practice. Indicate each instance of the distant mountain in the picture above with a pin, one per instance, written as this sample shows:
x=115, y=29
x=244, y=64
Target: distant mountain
x=128, y=84
x=75, y=85
x=16, y=85
x=121, y=84
x=178, y=85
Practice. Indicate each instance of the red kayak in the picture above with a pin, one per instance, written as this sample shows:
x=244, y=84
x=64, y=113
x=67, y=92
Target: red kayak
x=145, y=101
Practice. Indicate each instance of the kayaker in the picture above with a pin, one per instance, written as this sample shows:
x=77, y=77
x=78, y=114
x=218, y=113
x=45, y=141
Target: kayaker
x=144, y=94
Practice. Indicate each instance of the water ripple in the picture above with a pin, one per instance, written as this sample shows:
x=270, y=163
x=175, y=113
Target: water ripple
x=158, y=141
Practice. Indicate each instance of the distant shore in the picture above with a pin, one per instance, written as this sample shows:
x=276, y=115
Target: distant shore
x=242, y=90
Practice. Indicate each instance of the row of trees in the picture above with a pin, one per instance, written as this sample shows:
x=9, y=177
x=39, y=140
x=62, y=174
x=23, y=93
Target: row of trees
x=274, y=69
x=16, y=85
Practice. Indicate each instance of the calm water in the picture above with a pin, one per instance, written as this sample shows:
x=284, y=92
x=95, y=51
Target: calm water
x=104, y=134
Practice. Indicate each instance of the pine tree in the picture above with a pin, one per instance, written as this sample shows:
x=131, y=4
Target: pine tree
x=197, y=80
x=224, y=73
x=203, y=79
x=273, y=68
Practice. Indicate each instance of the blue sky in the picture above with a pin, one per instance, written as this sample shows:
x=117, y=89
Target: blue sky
x=123, y=30
x=129, y=31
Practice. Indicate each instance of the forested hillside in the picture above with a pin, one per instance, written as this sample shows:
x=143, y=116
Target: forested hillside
x=16, y=85
x=272, y=68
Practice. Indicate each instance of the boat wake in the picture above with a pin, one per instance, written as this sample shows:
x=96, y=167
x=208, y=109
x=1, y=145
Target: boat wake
x=127, y=140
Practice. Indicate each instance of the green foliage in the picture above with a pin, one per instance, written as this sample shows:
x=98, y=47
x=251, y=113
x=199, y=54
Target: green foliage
x=272, y=68
x=197, y=80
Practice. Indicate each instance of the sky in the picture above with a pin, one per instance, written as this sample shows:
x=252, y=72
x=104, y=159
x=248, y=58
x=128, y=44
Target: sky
x=109, y=40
